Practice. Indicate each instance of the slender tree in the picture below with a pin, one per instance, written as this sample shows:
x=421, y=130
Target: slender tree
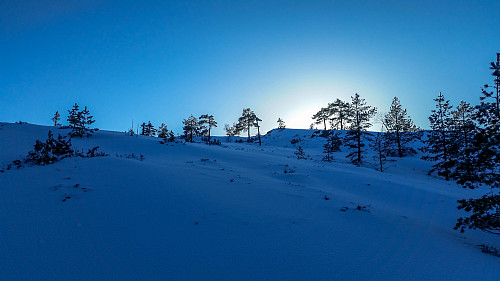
x=463, y=129
x=340, y=112
x=439, y=142
x=191, y=128
x=56, y=118
x=207, y=122
x=400, y=130
x=485, y=155
x=378, y=145
x=322, y=116
x=247, y=120
x=257, y=119
x=357, y=129
x=281, y=124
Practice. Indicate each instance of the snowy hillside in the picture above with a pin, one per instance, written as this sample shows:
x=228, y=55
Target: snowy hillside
x=231, y=212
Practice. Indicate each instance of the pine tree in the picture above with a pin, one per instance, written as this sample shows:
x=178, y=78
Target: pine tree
x=400, y=130
x=191, y=128
x=463, y=129
x=230, y=131
x=163, y=131
x=357, y=130
x=281, y=124
x=56, y=118
x=300, y=153
x=485, y=155
x=378, y=145
x=328, y=151
x=148, y=129
x=322, y=116
x=341, y=114
x=144, y=129
x=151, y=129
x=332, y=144
x=257, y=119
x=439, y=144
x=247, y=120
x=79, y=122
x=207, y=122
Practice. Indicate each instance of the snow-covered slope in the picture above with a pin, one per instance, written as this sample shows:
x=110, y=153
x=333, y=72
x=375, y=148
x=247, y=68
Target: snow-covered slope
x=229, y=212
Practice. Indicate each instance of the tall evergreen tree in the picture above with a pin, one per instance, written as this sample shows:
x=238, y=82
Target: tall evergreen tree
x=340, y=112
x=207, y=122
x=439, y=143
x=463, y=129
x=247, y=120
x=191, y=128
x=400, y=130
x=257, y=119
x=322, y=116
x=378, y=145
x=357, y=130
x=485, y=156
x=56, y=118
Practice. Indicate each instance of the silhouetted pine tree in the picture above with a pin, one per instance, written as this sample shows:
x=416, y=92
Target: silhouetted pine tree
x=281, y=124
x=400, y=130
x=56, y=118
x=322, y=116
x=378, y=145
x=206, y=123
x=191, y=128
x=485, y=155
x=463, y=130
x=332, y=144
x=79, y=122
x=357, y=130
x=439, y=143
x=148, y=129
x=247, y=120
x=162, y=131
x=230, y=131
x=151, y=129
x=340, y=112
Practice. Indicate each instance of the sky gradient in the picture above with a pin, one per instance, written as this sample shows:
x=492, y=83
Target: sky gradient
x=164, y=60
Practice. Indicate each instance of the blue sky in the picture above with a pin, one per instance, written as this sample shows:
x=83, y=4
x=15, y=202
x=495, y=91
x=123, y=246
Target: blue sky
x=164, y=60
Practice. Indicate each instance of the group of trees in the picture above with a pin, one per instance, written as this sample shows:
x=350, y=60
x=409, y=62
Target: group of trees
x=465, y=144
x=355, y=117
x=79, y=121
x=246, y=121
x=195, y=127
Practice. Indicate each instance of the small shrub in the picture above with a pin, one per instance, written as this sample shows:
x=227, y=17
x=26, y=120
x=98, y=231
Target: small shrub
x=50, y=151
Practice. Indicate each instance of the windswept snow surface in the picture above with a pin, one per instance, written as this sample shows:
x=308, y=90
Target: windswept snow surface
x=230, y=212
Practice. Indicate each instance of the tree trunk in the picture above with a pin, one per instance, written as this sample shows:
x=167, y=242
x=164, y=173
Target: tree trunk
x=258, y=133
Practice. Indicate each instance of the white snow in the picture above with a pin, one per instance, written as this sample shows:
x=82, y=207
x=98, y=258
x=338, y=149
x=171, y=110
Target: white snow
x=229, y=212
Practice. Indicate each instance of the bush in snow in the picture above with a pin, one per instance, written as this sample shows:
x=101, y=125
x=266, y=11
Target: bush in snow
x=300, y=153
x=50, y=151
